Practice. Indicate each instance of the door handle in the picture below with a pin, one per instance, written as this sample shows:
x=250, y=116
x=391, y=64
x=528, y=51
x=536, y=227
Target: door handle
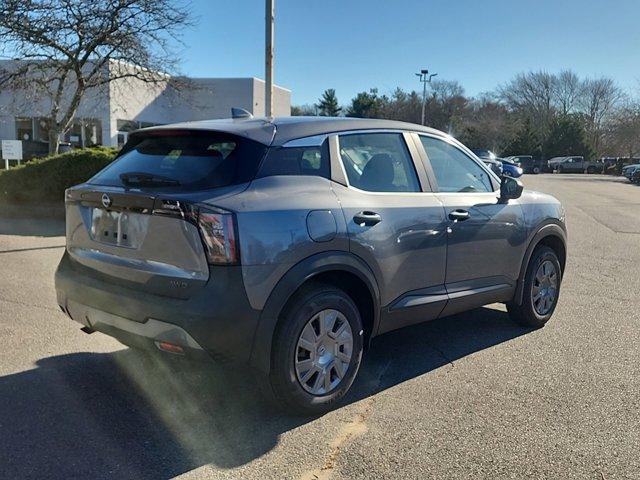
x=459, y=215
x=367, y=219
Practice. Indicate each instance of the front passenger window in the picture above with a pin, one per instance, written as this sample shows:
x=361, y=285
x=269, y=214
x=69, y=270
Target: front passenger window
x=454, y=170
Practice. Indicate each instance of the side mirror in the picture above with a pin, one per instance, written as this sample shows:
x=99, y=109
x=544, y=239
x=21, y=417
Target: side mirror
x=510, y=189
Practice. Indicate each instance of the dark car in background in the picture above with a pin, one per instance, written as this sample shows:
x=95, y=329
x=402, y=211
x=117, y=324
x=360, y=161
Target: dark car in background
x=528, y=163
x=628, y=171
x=289, y=244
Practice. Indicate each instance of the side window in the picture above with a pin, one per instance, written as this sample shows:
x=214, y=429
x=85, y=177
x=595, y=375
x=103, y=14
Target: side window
x=296, y=161
x=455, y=171
x=378, y=162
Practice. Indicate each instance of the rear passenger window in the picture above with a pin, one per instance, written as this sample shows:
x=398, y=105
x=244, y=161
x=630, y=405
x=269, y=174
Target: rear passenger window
x=378, y=162
x=297, y=161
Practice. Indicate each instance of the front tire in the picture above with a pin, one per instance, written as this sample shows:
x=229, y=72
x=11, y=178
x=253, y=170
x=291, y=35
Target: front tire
x=536, y=170
x=541, y=289
x=317, y=350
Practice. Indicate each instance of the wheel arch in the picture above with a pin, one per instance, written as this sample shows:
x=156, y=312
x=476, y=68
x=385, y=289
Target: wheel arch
x=342, y=269
x=553, y=235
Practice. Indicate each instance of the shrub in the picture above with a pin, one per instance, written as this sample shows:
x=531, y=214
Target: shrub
x=45, y=179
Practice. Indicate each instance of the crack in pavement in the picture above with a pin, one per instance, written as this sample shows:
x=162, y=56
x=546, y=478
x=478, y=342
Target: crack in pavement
x=355, y=428
x=17, y=250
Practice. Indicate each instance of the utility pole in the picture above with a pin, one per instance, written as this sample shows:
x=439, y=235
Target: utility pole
x=268, y=57
x=424, y=79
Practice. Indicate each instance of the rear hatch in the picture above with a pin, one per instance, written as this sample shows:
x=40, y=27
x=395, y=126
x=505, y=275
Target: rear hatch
x=146, y=220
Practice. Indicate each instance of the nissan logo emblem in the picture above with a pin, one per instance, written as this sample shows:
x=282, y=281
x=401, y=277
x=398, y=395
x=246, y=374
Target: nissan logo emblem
x=106, y=200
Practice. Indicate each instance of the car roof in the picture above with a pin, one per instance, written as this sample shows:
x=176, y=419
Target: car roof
x=279, y=130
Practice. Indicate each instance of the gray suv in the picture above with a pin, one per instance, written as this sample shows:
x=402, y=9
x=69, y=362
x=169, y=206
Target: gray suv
x=290, y=243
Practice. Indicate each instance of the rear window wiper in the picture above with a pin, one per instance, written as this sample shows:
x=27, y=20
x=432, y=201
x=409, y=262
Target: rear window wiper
x=142, y=179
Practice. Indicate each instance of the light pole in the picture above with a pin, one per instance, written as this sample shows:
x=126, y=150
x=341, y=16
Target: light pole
x=268, y=57
x=424, y=79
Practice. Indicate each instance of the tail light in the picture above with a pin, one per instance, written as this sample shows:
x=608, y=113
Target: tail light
x=218, y=232
x=217, y=228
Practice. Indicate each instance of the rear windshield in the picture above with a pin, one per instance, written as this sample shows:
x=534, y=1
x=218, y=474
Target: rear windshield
x=183, y=160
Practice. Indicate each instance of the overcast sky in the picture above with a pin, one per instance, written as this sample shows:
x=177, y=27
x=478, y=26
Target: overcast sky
x=353, y=45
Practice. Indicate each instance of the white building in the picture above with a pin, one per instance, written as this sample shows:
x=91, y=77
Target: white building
x=105, y=117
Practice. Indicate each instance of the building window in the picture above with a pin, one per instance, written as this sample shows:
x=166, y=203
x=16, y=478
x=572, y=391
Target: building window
x=122, y=139
x=41, y=129
x=92, y=132
x=74, y=135
x=24, y=129
x=85, y=132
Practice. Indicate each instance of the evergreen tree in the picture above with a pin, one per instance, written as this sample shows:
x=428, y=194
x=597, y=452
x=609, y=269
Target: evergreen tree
x=328, y=104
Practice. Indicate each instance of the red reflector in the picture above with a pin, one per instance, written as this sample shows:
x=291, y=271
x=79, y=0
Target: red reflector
x=170, y=347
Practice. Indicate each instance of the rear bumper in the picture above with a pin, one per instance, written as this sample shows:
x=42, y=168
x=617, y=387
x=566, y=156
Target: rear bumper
x=149, y=334
x=217, y=319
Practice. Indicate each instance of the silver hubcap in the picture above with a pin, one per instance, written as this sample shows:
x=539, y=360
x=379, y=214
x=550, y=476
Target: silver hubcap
x=323, y=352
x=545, y=288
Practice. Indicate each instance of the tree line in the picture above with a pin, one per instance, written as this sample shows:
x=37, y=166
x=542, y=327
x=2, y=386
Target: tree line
x=535, y=113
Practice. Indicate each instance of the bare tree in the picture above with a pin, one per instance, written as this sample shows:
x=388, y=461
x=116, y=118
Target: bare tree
x=622, y=133
x=599, y=98
x=68, y=48
x=533, y=94
x=566, y=91
x=445, y=90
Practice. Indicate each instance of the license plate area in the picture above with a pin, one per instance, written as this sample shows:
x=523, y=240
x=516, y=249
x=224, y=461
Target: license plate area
x=118, y=228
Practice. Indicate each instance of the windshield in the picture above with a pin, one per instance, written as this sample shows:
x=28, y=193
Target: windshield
x=184, y=160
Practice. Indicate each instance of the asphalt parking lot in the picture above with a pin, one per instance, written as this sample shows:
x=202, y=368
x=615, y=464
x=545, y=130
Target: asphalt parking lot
x=469, y=396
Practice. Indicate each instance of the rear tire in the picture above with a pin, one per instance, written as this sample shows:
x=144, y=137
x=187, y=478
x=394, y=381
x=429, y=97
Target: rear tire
x=536, y=170
x=541, y=289
x=591, y=170
x=313, y=367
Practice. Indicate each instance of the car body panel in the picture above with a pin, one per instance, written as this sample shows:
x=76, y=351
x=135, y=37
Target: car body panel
x=407, y=249
x=494, y=228
x=272, y=216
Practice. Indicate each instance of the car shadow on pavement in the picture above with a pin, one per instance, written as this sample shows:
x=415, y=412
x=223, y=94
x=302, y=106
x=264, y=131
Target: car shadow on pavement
x=135, y=415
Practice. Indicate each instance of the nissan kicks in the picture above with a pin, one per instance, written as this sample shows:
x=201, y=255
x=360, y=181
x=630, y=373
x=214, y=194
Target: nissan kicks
x=290, y=243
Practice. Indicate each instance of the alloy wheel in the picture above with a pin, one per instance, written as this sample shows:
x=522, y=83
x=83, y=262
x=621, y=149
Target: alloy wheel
x=545, y=288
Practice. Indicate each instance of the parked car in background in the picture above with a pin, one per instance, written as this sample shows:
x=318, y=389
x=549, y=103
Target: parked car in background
x=528, y=163
x=635, y=177
x=574, y=165
x=629, y=170
x=494, y=165
x=290, y=243
x=510, y=168
x=490, y=159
